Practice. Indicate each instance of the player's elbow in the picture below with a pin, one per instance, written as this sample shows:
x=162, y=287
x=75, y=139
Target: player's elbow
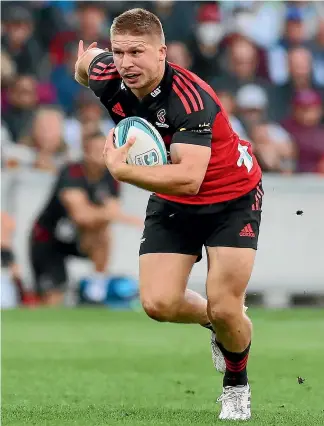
x=190, y=186
x=194, y=181
x=82, y=220
x=193, y=188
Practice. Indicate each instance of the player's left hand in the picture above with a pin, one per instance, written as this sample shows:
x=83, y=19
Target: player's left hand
x=115, y=158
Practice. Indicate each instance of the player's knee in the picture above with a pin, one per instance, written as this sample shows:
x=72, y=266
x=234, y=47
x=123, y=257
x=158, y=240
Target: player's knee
x=224, y=311
x=159, y=309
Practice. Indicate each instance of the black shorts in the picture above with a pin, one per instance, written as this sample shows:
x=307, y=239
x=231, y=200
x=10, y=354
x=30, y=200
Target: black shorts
x=48, y=264
x=181, y=228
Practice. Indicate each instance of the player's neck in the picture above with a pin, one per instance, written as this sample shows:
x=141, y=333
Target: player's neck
x=141, y=93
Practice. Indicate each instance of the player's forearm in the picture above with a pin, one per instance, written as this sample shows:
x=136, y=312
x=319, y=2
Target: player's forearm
x=173, y=179
x=93, y=217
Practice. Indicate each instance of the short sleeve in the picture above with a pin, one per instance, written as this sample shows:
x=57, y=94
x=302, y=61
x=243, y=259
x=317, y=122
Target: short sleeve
x=194, y=121
x=102, y=71
x=70, y=177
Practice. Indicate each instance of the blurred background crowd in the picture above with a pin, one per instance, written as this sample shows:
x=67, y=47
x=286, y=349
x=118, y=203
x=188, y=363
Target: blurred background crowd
x=265, y=59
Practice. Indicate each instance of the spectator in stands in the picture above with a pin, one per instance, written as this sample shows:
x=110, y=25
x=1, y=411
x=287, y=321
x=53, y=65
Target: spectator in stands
x=89, y=117
x=18, y=39
x=317, y=49
x=241, y=65
x=22, y=100
x=90, y=23
x=46, y=139
x=179, y=54
x=229, y=103
x=306, y=130
x=177, y=17
x=75, y=222
x=208, y=34
x=301, y=78
x=8, y=69
x=294, y=36
x=42, y=147
x=62, y=78
x=260, y=21
x=272, y=144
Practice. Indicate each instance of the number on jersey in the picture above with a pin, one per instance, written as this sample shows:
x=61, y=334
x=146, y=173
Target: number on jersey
x=244, y=158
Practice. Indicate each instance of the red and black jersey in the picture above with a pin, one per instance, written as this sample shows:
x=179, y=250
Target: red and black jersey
x=54, y=222
x=184, y=109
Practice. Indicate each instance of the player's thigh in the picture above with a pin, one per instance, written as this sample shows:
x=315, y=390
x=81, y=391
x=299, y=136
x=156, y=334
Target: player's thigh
x=229, y=271
x=232, y=246
x=164, y=275
x=170, y=245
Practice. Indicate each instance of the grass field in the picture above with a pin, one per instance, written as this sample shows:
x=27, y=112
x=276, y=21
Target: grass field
x=94, y=367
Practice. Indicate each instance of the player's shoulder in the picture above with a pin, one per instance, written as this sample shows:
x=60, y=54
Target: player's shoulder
x=73, y=170
x=191, y=100
x=191, y=91
x=103, y=73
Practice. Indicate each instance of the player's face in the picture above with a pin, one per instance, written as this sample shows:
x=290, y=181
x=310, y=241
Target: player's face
x=139, y=60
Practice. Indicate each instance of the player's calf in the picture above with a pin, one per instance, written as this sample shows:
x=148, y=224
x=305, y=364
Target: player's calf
x=233, y=338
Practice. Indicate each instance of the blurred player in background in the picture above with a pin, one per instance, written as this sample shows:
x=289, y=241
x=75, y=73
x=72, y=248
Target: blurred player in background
x=209, y=195
x=76, y=222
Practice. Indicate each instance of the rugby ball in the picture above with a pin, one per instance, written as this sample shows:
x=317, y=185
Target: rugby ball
x=148, y=149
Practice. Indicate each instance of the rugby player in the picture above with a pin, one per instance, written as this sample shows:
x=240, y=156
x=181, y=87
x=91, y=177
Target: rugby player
x=75, y=222
x=209, y=195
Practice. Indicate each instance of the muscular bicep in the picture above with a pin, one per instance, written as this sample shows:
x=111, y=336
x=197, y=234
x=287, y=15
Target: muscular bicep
x=75, y=202
x=193, y=158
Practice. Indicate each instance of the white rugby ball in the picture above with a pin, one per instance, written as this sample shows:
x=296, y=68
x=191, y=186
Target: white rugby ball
x=148, y=149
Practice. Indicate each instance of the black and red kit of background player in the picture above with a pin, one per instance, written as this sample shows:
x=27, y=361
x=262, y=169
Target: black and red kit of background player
x=184, y=109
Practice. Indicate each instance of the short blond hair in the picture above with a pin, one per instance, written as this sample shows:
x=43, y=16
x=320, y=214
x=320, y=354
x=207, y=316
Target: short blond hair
x=137, y=22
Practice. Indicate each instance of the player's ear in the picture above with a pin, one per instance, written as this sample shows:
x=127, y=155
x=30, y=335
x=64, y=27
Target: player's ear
x=162, y=52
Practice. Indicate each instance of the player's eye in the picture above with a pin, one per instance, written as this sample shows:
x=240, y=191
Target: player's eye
x=117, y=52
x=135, y=52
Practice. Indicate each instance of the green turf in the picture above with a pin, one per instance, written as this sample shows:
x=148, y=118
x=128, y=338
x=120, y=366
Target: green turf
x=94, y=367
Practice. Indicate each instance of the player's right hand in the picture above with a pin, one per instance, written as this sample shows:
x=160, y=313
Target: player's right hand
x=81, y=50
x=80, y=74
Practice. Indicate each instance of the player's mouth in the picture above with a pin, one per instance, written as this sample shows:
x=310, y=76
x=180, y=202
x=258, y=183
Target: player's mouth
x=131, y=77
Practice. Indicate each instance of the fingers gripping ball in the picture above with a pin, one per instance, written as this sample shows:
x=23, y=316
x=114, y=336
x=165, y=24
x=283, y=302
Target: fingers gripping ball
x=148, y=149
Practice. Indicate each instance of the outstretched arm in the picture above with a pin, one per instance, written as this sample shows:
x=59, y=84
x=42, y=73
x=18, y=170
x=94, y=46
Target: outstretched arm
x=85, y=57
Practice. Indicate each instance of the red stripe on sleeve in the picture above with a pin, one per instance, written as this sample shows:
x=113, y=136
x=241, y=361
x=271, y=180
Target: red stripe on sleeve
x=186, y=90
x=182, y=98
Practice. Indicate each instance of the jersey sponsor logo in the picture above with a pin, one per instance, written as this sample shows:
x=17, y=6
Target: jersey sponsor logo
x=244, y=158
x=161, y=117
x=202, y=128
x=148, y=158
x=117, y=109
x=156, y=92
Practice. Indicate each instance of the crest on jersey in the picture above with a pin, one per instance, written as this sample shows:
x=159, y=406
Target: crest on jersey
x=161, y=117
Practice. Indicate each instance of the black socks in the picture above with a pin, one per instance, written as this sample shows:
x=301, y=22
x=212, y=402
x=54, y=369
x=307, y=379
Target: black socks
x=235, y=374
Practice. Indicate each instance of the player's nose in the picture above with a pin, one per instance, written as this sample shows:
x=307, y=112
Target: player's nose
x=127, y=62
